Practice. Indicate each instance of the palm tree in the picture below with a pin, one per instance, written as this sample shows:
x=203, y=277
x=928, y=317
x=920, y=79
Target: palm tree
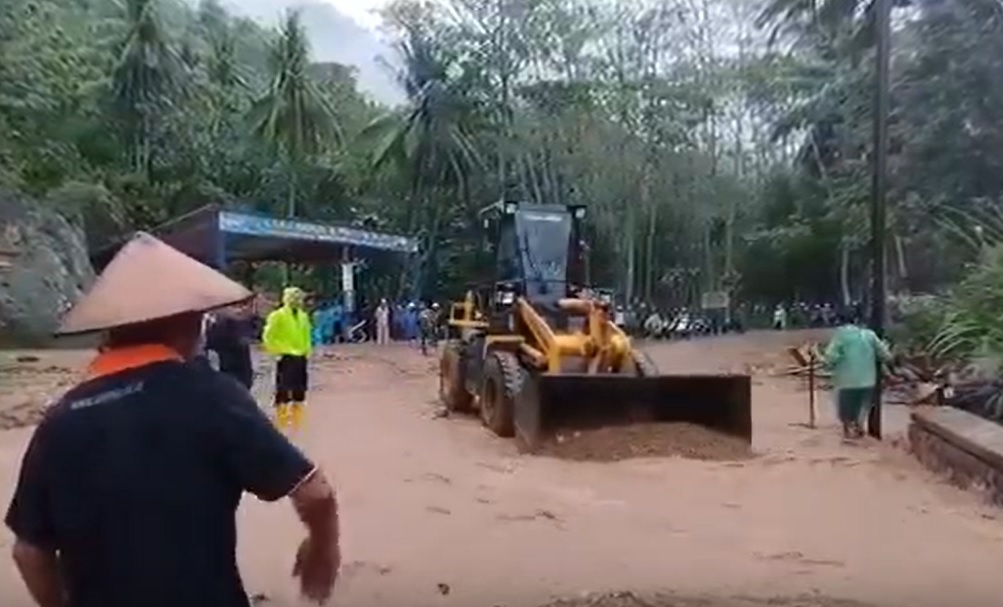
x=145, y=78
x=836, y=33
x=293, y=115
x=431, y=139
x=808, y=20
x=831, y=37
x=432, y=136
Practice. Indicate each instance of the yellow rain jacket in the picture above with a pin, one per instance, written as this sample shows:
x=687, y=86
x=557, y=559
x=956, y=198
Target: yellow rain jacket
x=287, y=329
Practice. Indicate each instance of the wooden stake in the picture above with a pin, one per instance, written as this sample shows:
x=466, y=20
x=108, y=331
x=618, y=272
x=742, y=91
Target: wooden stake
x=811, y=388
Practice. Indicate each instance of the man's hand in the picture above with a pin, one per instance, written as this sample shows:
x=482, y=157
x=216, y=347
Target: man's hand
x=317, y=564
x=319, y=556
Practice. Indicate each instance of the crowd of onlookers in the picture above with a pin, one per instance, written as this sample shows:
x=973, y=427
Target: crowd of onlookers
x=229, y=333
x=658, y=322
x=413, y=321
x=808, y=315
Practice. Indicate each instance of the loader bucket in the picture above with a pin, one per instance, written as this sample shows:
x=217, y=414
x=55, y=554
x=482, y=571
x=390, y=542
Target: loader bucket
x=549, y=403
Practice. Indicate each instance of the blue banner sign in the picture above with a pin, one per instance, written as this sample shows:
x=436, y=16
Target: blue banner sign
x=272, y=227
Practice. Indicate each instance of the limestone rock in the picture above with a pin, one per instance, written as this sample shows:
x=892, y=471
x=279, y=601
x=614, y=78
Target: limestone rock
x=44, y=267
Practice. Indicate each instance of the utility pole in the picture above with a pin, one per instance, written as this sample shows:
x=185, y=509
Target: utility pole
x=882, y=15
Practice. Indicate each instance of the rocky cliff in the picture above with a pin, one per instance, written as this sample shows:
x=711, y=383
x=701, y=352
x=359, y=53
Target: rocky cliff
x=43, y=268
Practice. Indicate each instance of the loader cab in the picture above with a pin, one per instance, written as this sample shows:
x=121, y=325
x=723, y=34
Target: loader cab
x=538, y=250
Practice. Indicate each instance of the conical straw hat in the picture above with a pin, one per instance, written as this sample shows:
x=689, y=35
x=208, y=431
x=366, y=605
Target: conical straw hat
x=148, y=280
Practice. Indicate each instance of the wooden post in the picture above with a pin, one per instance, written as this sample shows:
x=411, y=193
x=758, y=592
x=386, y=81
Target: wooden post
x=811, y=387
x=879, y=187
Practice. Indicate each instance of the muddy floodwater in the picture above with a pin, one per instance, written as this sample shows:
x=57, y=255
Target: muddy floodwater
x=437, y=512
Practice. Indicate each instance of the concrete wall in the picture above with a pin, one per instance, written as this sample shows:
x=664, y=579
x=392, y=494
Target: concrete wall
x=965, y=448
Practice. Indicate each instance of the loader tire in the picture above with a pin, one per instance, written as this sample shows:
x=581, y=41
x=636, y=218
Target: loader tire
x=643, y=367
x=528, y=425
x=503, y=378
x=452, y=383
x=643, y=363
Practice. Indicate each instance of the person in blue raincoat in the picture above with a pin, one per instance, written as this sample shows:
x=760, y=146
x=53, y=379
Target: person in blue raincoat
x=411, y=322
x=397, y=321
x=337, y=326
x=317, y=329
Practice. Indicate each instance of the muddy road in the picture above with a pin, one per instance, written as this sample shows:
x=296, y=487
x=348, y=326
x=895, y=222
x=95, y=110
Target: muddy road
x=438, y=512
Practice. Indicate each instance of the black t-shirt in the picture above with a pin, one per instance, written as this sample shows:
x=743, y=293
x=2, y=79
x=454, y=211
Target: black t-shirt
x=135, y=478
x=230, y=339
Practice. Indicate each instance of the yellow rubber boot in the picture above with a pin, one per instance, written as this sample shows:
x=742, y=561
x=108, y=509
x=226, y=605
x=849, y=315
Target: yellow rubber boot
x=282, y=416
x=296, y=411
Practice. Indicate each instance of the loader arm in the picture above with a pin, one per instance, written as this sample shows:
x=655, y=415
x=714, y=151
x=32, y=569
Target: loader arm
x=602, y=346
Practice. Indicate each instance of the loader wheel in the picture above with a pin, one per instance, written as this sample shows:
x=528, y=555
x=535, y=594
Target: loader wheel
x=452, y=384
x=528, y=430
x=643, y=367
x=643, y=363
x=503, y=377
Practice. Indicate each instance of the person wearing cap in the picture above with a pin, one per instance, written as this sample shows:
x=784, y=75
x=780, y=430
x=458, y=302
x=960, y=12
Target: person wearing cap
x=128, y=491
x=288, y=335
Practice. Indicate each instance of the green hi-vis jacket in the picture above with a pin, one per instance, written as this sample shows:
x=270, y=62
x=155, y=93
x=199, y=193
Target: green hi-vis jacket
x=853, y=356
x=287, y=332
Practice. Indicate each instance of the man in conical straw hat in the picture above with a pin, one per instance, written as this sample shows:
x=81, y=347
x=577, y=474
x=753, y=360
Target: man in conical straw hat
x=129, y=487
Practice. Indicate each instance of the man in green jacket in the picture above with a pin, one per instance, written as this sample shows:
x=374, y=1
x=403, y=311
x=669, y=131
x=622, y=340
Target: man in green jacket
x=853, y=355
x=287, y=335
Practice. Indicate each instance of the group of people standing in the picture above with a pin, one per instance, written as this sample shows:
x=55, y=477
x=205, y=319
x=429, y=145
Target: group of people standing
x=288, y=335
x=805, y=315
x=420, y=322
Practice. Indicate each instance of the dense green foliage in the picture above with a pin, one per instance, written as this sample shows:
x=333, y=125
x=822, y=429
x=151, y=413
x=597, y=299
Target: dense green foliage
x=718, y=143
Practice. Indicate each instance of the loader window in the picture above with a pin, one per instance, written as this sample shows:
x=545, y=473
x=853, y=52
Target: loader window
x=544, y=239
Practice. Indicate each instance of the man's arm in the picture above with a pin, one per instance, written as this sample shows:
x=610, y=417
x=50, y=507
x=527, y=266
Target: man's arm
x=269, y=334
x=265, y=463
x=308, y=329
x=317, y=508
x=262, y=461
x=39, y=568
x=881, y=347
x=834, y=351
x=28, y=518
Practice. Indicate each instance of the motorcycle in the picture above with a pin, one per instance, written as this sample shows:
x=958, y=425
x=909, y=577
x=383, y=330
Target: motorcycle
x=357, y=333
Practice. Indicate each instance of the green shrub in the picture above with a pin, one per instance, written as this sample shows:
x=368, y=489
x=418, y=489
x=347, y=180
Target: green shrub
x=920, y=320
x=972, y=325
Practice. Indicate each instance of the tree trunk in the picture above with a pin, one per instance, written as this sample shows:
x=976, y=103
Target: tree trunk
x=290, y=214
x=903, y=277
x=844, y=272
x=650, y=278
x=631, y=247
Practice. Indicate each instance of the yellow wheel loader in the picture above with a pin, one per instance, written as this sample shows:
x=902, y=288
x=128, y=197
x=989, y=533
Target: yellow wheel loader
x=535, y=352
